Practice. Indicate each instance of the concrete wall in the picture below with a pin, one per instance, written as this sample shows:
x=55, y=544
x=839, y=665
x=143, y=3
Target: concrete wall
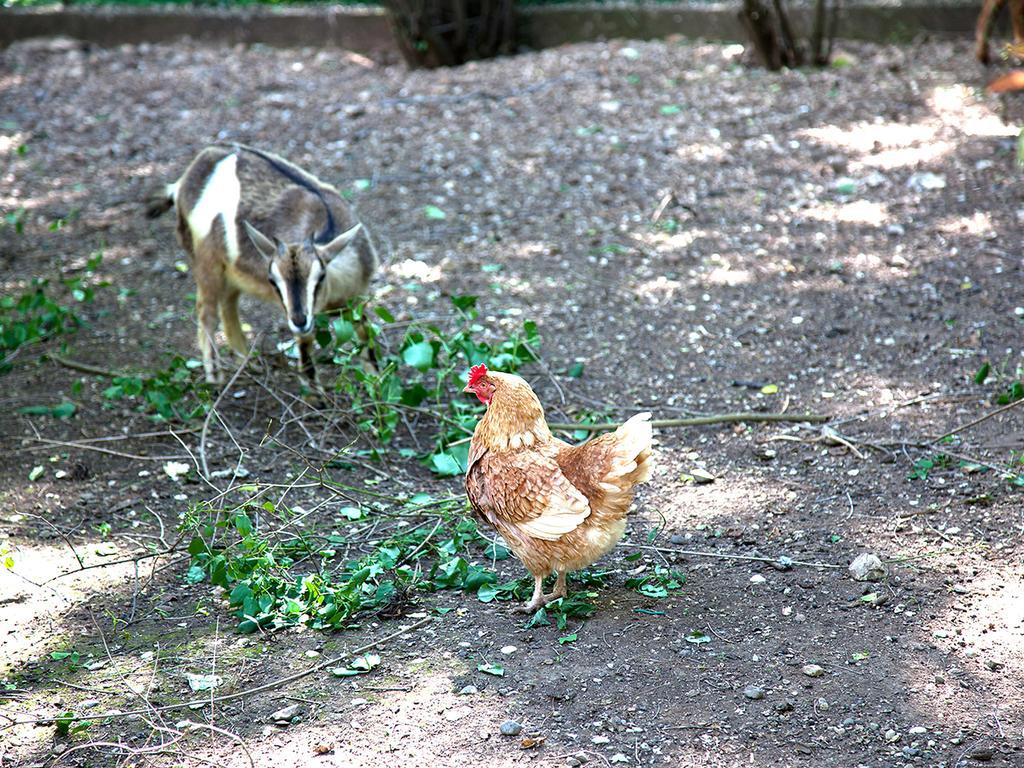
x=365, y=30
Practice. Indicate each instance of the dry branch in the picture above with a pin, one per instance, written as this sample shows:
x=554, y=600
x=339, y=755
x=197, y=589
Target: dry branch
x=697, y=421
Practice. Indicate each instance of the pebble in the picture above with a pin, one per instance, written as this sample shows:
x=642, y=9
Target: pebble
x=821, y=705
x=867, y=567
x=926, y=182
x=508, y=650
x=812, y=670
x=757, y=578
x=90, y=703
x=511, y=728
x=891, y=736
x=917, y=730
x=753, y=692
x=786, y=705
x=284, y=715
x=468, y=690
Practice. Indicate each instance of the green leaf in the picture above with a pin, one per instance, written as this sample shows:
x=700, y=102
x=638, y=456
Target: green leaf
x=445, y=465
x=671, y=109
x=36, y=473
x=982, y=374
x=343, y=329
x=575, y=371
x=769, y=389
x=568, y=639
x=698, y=638
x=487, y=592
x=195, y=574
x=419, y=355
x=491, y=669
x=434, y=213
x=243, y=524
x=464, y=303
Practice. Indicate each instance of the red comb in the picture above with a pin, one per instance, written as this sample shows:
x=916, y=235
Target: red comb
x=476, y=373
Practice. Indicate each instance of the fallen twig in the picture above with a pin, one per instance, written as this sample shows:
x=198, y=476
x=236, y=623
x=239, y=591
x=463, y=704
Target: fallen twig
x=697, y=421
x=753, y=558
x=976, y=422
x=74, y=365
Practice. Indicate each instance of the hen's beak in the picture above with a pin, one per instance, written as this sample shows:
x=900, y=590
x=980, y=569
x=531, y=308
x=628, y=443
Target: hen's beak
x=468, y=390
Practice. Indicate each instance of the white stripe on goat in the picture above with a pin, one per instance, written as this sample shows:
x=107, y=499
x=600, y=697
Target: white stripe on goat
x=219, y=197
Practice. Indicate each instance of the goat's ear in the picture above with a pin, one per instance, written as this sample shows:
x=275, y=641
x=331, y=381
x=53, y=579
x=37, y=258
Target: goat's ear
x=267, y=247
x=338, y=244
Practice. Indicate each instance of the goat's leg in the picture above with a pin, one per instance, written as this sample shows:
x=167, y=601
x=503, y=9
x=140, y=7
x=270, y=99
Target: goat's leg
x=231, y=324
x=306, y=365
x=209, y=287
x=983, y=30
x=206, y=316
x=1017, y=20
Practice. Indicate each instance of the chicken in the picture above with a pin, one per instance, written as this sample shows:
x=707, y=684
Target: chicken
x=560, y=507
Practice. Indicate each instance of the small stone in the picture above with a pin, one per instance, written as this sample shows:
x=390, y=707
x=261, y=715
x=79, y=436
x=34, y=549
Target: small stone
x=917, y=730
x=90, y=703
x=753, y=692
x=284, y=715
x=849, y=722
x=508, y=650
x=618, y=757
x=468, y=690
x=992, y=665
x=982, y=754
x=812, y=670
x=786, y=705
x=867, y=567
x=940, y=680
x=600, y=740
x=891, y=736
x=895, y=230
x=926, y=182
x=757, y=578
x=911, y=751
x=821, y=705
x=511, y=728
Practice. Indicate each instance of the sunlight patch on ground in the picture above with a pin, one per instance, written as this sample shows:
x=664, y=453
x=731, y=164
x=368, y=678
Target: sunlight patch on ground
x=983, y=657
x=855, y=212
x=978, y=224
x=663, y=242
x=702, y=152
x=9, y=144
x=413, y=269
x=32, y=612
x=957, y=106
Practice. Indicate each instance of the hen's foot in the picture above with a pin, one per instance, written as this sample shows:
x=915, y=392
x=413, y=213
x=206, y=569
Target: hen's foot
x=541, y=600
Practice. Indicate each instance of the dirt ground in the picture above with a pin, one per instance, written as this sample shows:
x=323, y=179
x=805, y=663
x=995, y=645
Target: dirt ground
x=850, y=236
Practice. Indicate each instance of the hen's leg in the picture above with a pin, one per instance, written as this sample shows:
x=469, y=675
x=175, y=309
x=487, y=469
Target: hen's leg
x=538, y=600
x=560, y=590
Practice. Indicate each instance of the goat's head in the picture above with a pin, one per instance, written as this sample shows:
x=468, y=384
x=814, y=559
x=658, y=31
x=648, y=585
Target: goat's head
x=297, y=272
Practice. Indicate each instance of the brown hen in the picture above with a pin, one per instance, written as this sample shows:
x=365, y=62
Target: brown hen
x=560, y=507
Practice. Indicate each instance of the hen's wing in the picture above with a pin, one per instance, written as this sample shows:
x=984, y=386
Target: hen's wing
x=528, y=490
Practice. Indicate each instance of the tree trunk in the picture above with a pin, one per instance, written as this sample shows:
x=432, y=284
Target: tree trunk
x=446, y=33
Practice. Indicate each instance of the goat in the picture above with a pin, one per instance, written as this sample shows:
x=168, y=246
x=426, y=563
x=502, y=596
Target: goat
x=252, y=222
x=986, y=21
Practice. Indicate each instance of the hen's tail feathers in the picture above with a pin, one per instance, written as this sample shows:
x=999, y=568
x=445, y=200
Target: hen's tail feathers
x=161, y=201
x=631, y=461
